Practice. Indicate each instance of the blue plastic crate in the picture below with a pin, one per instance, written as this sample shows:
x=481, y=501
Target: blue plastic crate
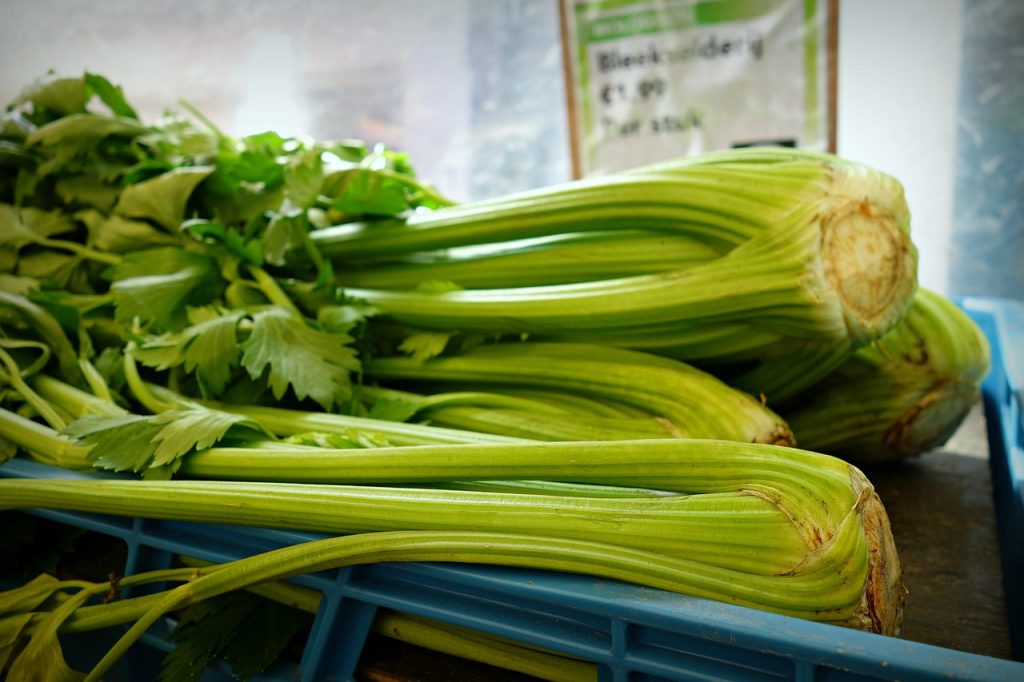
x=634, y=634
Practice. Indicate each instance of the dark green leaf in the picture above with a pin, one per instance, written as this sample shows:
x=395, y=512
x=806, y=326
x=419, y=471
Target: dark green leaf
x=303, y=177
x=234, y=243
x=68, y=316
x=117, y=234
x=110, y=94
x=425, y=345
x=394, y=409
x=360, y=191
x=162, y=199
x=77, y=135
x=87, y=190
x=268, y=630
x=316, y=364
x=158, y=284
x=11, y=628
x=250, y=632
x=212, y=350
x=62, y=96
x=201, y=634
x=137, y=443
x=28, y=596
x=283, y=234
x=255, y=166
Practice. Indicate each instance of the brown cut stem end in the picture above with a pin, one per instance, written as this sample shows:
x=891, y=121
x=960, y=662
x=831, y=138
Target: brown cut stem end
x=885, y=593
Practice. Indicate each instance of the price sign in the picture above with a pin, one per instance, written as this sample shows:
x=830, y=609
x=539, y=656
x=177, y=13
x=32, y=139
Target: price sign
x=649, y=80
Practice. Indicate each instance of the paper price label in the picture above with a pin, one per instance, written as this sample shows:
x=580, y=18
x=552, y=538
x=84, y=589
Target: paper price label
x=655, y=79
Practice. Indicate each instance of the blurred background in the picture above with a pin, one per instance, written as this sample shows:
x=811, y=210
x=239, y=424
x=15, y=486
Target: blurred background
x=930, y=91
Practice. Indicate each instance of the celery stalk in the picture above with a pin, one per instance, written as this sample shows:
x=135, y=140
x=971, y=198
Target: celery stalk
x=903, y=395
x=818, y=262
x=673, y=398
x=759, y=525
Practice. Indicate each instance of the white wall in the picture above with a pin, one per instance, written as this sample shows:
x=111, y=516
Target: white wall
x=899, y=62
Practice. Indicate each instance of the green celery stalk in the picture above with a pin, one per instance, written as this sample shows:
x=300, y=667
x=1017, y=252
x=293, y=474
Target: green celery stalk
x=278, y=421
x=721, y=199
x=818, y=262
x=905, y=394
x=560, y=259
x=760, y=525
x=675, y=399
x=507, y=414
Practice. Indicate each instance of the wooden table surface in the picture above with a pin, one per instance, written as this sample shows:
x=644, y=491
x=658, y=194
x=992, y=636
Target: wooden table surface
x=943, y=521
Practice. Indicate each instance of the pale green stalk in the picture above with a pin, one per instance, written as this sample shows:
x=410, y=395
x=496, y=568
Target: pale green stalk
x=540, y=416
x=758, y=522
x=820, y=264
x=901, y=396
x=11, y=374
x=678, y=400
x=483, y=647
x=562, y=259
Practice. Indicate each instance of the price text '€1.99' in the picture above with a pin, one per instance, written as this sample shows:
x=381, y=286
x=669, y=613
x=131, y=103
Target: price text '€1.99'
x=643, y=90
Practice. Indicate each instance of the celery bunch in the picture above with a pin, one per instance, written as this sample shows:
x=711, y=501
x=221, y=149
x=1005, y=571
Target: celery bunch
x=807, y=258
x=258, y=317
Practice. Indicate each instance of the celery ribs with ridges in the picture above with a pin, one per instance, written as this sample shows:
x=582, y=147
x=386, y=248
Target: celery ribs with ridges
x=763, y=526
x=815, y=261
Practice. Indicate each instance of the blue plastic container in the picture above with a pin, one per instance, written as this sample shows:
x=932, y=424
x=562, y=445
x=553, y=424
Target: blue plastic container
x=634, y=634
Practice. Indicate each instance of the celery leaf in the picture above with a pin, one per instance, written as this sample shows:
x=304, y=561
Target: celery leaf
x=117, y=234
x=110, y=94
x=139, y=443
x=42, y=658
x=156, y=285
x=75, y=136
x=162, y=199
x=193, y=429
x=88, y=191
x=11, y=629
x=211, y=350
x=248, y=631
x=19, y=227
x=425, y=345
x=28, y=597
x=361, y=191
x=55, y=95
x=285, y=232
x=393, y=409
x=303, y=177
x=315, y=363
x=17, y=284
